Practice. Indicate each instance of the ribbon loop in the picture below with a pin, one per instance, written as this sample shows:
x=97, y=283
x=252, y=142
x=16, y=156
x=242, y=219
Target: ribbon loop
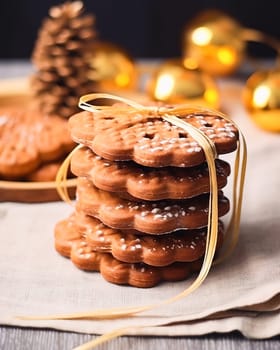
x=85, y=105
x=159, y=110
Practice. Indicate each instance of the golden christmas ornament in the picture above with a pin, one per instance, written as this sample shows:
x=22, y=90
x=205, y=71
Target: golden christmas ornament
x=112, y=67
x=215, y=41
x=262, y=99
x=172, y=82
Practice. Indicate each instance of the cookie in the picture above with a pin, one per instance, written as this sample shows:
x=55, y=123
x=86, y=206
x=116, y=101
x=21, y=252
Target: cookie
x=29, y=139
x=46, y=172
x=131, y=179
x=161, y=250
x=150, y=217
x=66, y=234
x=150, y=141
x=137, y=275
x=114, y=271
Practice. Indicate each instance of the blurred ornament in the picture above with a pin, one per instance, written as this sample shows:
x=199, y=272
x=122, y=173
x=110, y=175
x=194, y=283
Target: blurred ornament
x=172, y=82
x=215, y=41
x=262, y=99
x=112, y=67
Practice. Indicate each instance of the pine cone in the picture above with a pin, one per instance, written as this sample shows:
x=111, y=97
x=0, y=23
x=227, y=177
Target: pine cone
x=61, y=56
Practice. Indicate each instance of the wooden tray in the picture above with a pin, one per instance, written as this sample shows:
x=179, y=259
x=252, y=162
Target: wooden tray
x=33, y=192
x=14, y=92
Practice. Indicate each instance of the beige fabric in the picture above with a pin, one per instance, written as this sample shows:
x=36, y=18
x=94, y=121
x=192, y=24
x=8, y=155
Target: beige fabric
x=35, y=280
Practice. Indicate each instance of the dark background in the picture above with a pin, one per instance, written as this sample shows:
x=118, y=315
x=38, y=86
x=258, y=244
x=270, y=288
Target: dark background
x=145, y=28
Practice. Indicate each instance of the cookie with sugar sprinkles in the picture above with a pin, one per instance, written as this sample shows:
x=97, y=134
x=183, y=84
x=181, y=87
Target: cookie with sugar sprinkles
x=161, y=250
x=129, y=179
x=30, y=139
x=150, y=141
x=114, y=271
x=150, y=217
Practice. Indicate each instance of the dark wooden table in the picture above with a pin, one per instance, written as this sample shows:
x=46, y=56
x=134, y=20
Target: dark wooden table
x=14, y=338
x=40, y=339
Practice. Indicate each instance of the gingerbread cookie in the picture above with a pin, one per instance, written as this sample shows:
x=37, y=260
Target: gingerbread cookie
x=137, y=275
x=46, y=172
x=131, y=179
x=29, y=139
x=148, y=140
x=149, y=217
x=66, y=234
x=161, y=250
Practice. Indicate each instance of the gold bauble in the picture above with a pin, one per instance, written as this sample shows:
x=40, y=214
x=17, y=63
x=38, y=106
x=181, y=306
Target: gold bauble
x=112, y=68
x=174, y=83
x=214, y=40
x=261, y=97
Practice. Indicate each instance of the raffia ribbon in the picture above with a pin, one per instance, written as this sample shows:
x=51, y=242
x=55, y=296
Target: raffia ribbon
x=171, y=115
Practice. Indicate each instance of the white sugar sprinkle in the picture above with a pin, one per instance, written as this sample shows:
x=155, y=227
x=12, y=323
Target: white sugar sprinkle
x=3, y=120
x=155, y=149
x=158, y=216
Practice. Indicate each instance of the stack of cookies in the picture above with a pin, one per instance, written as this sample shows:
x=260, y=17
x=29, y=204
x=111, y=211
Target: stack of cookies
x=32, y=145
x=142, y=196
